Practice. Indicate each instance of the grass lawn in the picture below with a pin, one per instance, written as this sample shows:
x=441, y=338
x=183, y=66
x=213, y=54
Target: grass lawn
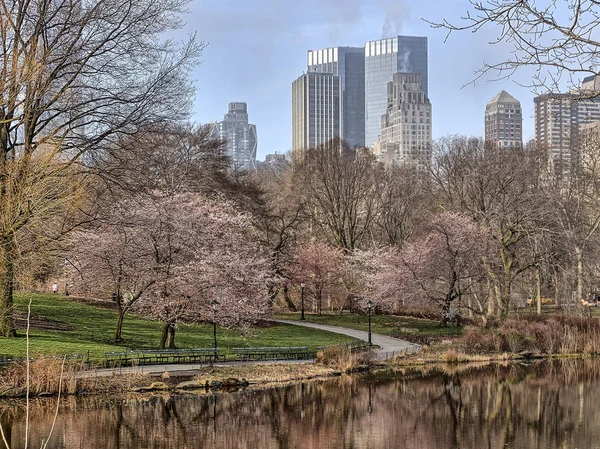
x=81, y=329
x=390, y=325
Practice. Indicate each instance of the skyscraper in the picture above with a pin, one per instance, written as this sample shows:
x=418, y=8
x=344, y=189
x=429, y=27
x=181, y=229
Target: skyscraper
x=558, y=119
x=504, y=121
x=241, y=137
x=349, y=64
x=406, y=126
x=316, y=110
x=383, y=58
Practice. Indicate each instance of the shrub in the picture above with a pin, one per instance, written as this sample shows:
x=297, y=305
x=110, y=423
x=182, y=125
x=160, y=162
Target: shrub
x=44, y=376
x=451, y=356
x=477, y=339
x=340, y=357
x=557, y=334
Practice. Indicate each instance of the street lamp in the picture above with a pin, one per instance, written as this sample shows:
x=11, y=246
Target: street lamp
x=369, y=307
x=214, y=305
x=302, y=285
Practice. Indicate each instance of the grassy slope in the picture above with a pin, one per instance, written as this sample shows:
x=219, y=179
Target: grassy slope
x=380, y=324
x=93, y=330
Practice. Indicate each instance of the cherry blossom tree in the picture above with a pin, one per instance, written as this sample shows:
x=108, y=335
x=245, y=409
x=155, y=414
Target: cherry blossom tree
x=319, y=266
x=185, y=252
x=114, y=260
x=441, y=267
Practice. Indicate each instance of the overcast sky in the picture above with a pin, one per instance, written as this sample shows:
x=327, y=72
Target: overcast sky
x=257, y=48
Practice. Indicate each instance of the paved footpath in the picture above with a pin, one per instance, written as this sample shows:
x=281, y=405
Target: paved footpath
x=389, y=346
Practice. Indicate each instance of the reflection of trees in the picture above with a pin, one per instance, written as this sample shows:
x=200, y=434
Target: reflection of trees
x=547, y=405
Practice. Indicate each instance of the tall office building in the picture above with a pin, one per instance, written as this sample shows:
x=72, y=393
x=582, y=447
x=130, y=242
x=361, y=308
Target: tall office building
x=241, y=137
x=504, y=121
x=558, y=119
x=316, y=109
x=383, y=58
x=349, y=64
x=589, y=141
x=406, y=127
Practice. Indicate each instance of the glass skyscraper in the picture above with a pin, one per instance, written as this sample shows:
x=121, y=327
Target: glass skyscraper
x=242, y=141
x=384, y=58
x=316, y=104
x=349, y=64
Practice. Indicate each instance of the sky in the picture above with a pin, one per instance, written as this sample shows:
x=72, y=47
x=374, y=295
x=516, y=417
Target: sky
x=257, y=48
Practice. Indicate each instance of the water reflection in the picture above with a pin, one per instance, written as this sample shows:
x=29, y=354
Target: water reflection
x=546, y=405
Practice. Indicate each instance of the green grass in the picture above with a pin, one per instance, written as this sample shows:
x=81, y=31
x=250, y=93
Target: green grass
x=93, y=332
x=380, y=324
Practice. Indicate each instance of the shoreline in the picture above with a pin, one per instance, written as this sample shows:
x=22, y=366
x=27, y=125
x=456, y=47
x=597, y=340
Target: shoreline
x=216, y=379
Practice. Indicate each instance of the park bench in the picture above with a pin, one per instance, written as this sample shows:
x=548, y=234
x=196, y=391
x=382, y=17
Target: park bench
x=358, y=346
x=158, y=356
x=273, y=353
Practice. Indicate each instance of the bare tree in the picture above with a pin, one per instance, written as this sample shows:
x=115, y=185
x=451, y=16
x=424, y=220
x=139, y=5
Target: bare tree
x=74, y=76
x=402, y=196
x=499, y=190
x=278, y=224
x=340, y=188
x=556, y=38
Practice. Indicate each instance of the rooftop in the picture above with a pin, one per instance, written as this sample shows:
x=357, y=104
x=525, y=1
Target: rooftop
x=504, y=97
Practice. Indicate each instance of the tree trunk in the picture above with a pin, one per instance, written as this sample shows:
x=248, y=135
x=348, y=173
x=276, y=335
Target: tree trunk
x=579, y=255
x=167, y=339
x=7, y=259
x=538, y=293
x=171, y=337
x=118, y=338
x=286, y=294
x=319, y=299
x=163, y=337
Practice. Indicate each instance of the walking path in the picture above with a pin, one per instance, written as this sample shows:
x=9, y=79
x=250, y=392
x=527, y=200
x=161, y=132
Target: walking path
x=388, y=348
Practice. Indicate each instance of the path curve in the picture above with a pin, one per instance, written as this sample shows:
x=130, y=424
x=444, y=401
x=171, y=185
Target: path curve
x=389, y=346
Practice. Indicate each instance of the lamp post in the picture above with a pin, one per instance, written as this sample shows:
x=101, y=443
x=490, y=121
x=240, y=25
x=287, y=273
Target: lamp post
x=302, y=285
x=369, y=307
x=214, y=305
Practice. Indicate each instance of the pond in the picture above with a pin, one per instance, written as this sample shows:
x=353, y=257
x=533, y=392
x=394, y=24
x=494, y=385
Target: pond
x=550, y=404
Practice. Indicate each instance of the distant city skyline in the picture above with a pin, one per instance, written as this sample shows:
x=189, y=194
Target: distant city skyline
x=256, y=49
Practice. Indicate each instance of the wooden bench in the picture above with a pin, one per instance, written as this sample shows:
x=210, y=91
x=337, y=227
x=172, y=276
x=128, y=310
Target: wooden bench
x=158, y=356
x=273, y=353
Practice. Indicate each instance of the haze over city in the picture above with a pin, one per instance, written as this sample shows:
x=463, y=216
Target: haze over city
x=257, y=49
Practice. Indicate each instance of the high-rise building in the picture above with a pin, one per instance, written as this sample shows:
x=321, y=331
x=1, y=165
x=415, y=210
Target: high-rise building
x=504, y=121
x=383, y=58
x=558, y=119
x=316, y=110
x=406, y=135
x=241, y=137
x=589, y=138
x=349, y=64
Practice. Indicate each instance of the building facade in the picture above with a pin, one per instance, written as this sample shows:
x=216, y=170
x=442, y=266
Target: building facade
x=384, y=58
x=349, y=64
x=504, y=121
x=406, y=134
x=558, y=119
x=589, y=138
x=316, y=110
x=241, y=137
